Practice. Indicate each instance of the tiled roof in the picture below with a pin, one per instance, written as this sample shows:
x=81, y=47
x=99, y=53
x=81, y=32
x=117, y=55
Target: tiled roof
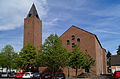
x=115, y=60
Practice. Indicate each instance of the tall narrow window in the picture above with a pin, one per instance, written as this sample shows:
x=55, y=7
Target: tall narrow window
x=29, y=15
x=78, y=40
x=73, y=37
x=37, y=16
x=73, y=45
x=68, y=42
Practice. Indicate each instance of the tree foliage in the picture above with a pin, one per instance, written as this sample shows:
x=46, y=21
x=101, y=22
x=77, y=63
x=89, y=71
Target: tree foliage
x=118, y=50
x=79, y=59
x=27, y=58
x=7, y=57
x=3, y=58
x=53, y=54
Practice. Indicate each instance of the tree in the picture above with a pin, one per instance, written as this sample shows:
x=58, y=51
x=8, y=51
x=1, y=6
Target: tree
x=79, y=59
x=7, y=57
x=108, y=56
x=27, y=58
x=53, y=54
x=118, y=50
x=3, y=58
x=88, y=62
x=15, y=64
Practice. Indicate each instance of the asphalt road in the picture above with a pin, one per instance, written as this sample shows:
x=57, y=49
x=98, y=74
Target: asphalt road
x=7, y=78
x=101, y=77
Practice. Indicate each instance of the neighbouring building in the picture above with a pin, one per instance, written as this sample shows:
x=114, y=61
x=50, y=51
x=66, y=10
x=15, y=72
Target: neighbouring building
x=87, y=41
x=115, y=63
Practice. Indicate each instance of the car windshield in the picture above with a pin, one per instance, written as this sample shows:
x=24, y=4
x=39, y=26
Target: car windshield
x=60, y=75
x=36, y=74
x=27, y=74
x=46, y=74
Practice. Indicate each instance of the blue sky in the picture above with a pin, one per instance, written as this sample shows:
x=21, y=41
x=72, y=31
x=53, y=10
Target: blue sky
x=101, y=17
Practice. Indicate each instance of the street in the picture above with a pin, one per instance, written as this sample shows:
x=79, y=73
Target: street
x=101, y=77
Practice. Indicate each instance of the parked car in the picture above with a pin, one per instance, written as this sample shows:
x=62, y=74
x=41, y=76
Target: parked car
x=27, y=75
x=11, y=75
x=37, y=75
x=19, y=75
x=116, y=75
x=4, y=75
x=60, y=76
x=46, y=76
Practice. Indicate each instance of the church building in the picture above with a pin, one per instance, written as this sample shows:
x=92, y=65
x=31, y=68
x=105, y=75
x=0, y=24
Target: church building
x=87, y=41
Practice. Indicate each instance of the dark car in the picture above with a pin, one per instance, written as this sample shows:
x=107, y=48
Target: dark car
x=46, y=76
x=11, y=75
x=116, y=75
x=37, y=75
x=60, y=76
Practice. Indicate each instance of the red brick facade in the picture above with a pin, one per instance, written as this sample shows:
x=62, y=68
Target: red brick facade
x=87, y=42
x=33, y=31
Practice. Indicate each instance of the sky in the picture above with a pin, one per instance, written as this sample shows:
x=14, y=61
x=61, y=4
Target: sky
x=100, y=17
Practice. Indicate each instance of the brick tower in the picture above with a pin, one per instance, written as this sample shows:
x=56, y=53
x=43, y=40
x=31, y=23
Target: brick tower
x=33, y=28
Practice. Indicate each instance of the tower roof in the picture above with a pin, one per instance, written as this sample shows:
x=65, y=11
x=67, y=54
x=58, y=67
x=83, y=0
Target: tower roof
x=33, y=12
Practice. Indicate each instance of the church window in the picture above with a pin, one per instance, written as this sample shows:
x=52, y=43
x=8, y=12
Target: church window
x=68, y=42
x=78, y=40
x=73, y=37
x=29, y=15
x=73, y=45
x=37, y=16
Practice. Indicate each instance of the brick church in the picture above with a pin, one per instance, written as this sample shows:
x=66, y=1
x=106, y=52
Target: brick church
x=87, y=41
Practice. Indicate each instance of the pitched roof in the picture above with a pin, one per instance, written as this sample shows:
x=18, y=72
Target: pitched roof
x=115, y=60
x=87, y=32
x=33, y=12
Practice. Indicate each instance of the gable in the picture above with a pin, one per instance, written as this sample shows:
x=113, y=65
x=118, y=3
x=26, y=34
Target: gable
x=75, y=30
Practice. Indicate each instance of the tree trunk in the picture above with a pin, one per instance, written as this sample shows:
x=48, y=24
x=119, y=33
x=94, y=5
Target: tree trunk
x=68, y=72
x=76, y=72
x=2, y=69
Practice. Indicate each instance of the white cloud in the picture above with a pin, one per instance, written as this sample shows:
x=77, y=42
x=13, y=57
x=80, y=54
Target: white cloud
x=13, y=12
x=51, y=22
x=104, y=31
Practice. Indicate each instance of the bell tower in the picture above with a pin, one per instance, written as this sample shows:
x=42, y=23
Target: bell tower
x=33, y=28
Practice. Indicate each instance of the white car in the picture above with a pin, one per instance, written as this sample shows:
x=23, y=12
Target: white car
x=27, y=75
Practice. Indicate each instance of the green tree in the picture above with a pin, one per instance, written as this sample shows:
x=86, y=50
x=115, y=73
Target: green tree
x=88, y=62
x=53, y=54
x=108, y=56
x=3, y=58
x=27, y=58
x=118, y=50
x=7, y=57
x=79, y=59
x=15, y=64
